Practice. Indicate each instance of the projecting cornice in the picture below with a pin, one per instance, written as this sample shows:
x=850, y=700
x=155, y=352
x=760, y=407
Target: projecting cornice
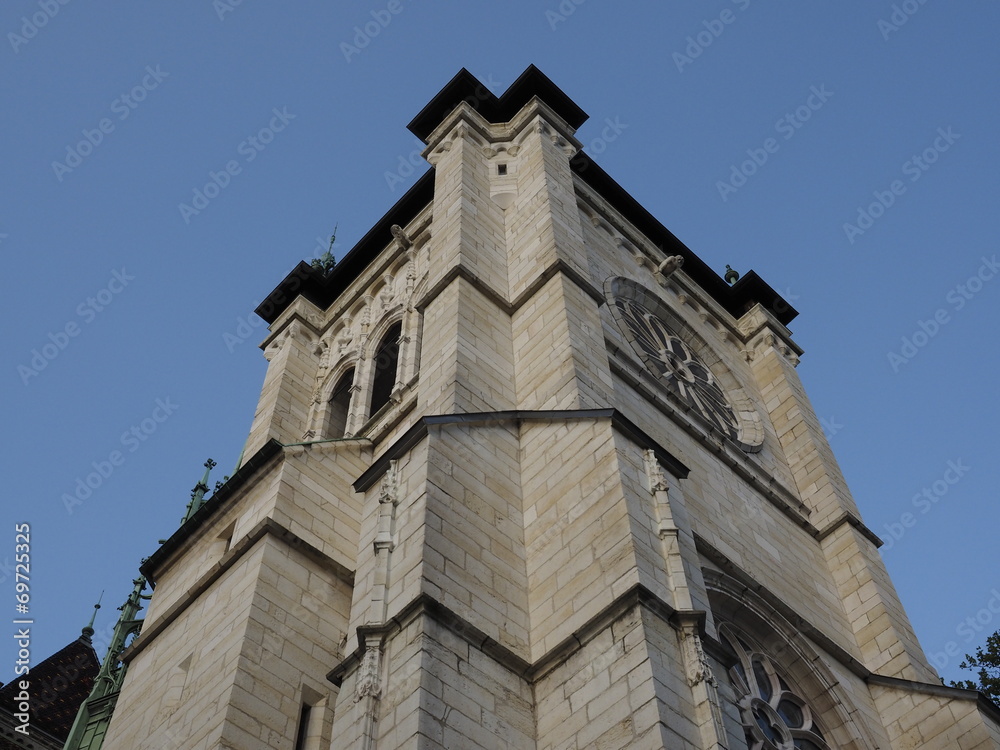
x=465, y=90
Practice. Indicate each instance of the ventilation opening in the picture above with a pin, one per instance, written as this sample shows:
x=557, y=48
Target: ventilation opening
x=340, y=404
x=501, y=169
x=386, y=363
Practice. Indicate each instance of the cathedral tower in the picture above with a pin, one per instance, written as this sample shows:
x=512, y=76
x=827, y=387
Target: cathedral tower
x=526, y=473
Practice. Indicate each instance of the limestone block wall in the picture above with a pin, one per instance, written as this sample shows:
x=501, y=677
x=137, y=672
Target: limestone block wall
x=286, y=396
x=578, y=543
x=315, y=500
x=468, y=226
x=398, y=576
x=745, y=526
x=439, y=692
x=624, y=688
x=466, y=353
x=474, y=539
x=924, y=720
x=177, y=689
x=560, y=362
x=294, y=630
x=268, y=629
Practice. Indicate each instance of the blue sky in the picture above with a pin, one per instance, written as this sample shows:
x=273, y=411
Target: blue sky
x=845, y=151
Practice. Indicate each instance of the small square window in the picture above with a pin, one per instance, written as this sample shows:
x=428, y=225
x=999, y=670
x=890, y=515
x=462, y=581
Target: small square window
x=501, y=169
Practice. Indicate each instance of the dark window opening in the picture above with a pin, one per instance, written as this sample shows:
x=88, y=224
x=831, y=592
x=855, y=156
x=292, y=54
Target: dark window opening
x=501, y=169
x=386, y=362
x=303, y=733
x=340, y=404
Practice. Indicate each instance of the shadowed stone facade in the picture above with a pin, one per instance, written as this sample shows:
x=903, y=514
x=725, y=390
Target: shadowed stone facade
x=525, y=473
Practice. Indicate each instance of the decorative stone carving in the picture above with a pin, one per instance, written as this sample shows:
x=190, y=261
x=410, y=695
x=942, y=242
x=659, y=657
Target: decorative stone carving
x=366, y=316
x=387, y=293
x=654, y=472
x=389, y=488
x=345, y=337
x=698, y=668
x=401, y=236
x=369, y=675
x=411, y=277
x=670, y=264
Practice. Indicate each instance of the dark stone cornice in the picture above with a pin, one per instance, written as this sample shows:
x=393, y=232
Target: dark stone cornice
x=323, y=290
x=465, y=87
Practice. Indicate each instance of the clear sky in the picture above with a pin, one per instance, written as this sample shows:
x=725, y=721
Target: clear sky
x=845, y=151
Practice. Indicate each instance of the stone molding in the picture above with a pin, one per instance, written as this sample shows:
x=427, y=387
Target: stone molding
x=420, y=429
x=426, y=606
x=267, y=527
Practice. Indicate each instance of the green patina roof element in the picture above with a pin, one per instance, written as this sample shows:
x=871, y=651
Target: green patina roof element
x=198, y=493
x=94, y=716
x=326, y=261
x=88, y=629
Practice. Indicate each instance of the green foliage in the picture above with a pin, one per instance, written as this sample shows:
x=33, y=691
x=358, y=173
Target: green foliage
x=986, y=662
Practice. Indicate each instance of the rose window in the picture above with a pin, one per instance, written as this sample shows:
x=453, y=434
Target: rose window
x=773, y=716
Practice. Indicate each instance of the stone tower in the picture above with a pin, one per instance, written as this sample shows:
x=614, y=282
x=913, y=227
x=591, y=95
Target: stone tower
x=525, y=473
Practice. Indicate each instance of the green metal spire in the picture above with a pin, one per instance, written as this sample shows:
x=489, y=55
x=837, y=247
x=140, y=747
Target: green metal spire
x=94, y=716
x=198, y=493
x=88, y=630
x=326, y=261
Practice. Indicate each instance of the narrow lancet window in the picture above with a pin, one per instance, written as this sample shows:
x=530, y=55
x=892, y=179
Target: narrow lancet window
x=386, y=363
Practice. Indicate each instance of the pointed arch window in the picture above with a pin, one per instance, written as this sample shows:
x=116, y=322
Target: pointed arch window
x=386, y=364
x=340, y=406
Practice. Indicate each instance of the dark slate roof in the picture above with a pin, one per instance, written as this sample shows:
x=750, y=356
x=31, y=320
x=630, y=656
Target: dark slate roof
x=59, y=685
x=323, y=290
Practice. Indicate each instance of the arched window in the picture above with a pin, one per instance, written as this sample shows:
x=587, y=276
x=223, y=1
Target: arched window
x=774, y=716
x=386, y=363
x=340, y=404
